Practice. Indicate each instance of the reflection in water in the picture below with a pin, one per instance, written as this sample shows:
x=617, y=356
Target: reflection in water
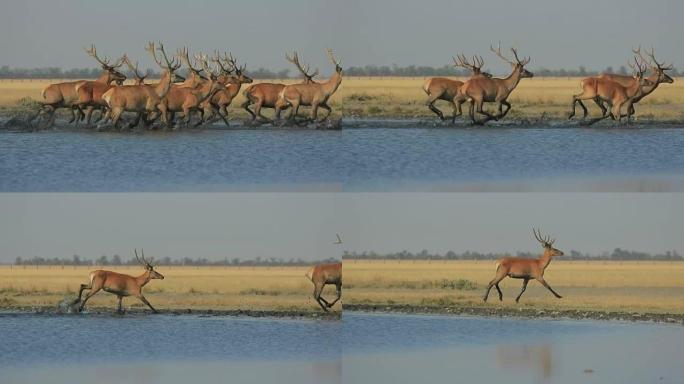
x=527, y=358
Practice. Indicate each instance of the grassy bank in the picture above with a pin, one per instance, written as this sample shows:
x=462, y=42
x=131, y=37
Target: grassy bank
x=198, y=288
x=378, y=97
x=626, y=287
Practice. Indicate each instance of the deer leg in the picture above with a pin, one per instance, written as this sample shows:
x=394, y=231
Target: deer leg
x=73, y=115
x=144, y=300
x=508, y=108
x=524, y=287
x=224, y=114
x=120, y=308
x=245, y=105
x=431, y=105
x=135, y=122
x=100, y=116
x=318, y=289
x=545, y=284
x=479, y=109
x=89, y=114
x=499, y=291
x=495, y=282
x=599, y=102
x=328, y=109
x=93, y=291
x=457, y=103
x=338, y=288
x=577, y=99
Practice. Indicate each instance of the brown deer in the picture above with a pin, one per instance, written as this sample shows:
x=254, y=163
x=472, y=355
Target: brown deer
x=313, y=94
x=612, y=92
x=526, y=269
x=220, y=101
x=66, y=95
x=482, y=89
x=657, y=77
x=119, y=284
x=442, y=88
x=143, y=98
x=265, y=95
x=321, y=275
x=188, y=99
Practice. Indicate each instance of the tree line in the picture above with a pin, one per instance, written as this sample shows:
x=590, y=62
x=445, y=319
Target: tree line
x=167, y=261
x=616, y=254
x=7, y=72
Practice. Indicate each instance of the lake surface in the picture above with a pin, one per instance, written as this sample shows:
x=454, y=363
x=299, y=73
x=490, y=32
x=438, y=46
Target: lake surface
x=395, y=349
x=167, y=349
x=361, y=159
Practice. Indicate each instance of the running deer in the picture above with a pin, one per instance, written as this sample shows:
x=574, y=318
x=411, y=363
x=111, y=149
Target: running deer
x=613, y=93
x=90, y=92
x=119, y=284
x=312, y=94
x=442, y=88
x=66, y=95
x=526, y=269
x=482, y=89
x=657, y=77
x=143, y=98
x=321, y=275
x=265, y=95
x=220, y=101
x=187, y=99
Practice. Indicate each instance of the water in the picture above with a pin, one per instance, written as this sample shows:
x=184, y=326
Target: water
x=167, y=349
x=373, y=159
x=439, y=349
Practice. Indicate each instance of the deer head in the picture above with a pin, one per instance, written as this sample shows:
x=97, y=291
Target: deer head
x=140, y=79
x=657, y=68
x=148, y=265
x=239, y=71
x=547, y=243
x=517, y=65
x=114, y=75
x=639, y=69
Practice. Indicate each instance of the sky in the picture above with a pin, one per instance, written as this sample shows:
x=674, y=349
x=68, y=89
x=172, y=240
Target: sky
x=291, y=225
x=556, y=34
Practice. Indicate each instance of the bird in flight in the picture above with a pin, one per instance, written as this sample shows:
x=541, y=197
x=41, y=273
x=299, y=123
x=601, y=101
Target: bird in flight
x=339, y=239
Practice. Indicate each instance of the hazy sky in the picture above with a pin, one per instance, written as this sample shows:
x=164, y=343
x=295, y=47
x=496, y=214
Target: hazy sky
x=303, y=225
x=428, y=32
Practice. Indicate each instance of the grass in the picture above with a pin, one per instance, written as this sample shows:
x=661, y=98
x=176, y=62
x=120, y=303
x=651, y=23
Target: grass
x=404, y=98
x=218, y=288
x=595, y=285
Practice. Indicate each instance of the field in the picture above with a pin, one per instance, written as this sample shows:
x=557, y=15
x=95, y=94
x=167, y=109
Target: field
x=641, y=287
x=216, y=288
x=404, y=97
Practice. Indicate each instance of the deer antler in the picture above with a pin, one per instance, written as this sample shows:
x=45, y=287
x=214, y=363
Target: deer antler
x=202, y=59
x=463, y=62
x=294, y=59
x=546, y=241
x=183, y=56
x=170, y=65
x=217, y=60
x=655, y=62
x=497, y=51
x=331, y=56
x=92, y=52
x=638, y=67
x=133, y=69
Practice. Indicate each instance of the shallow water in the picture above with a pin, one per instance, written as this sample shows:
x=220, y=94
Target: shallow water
x=397, y=349
x=365, y=159
x=167, y=349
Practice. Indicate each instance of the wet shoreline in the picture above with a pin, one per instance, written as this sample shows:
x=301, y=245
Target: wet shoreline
x=521, y=313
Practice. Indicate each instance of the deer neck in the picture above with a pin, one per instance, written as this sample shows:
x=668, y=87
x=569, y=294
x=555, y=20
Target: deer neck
x=512, y=80
x=544, y=260
x=143, y=279
x=646, y=89
x=206, y=90
x=330, y=86
x=164, y=85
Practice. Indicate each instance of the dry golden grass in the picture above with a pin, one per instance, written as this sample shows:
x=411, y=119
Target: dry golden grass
x=404, y=97
x=218, y=288
x=595, y=285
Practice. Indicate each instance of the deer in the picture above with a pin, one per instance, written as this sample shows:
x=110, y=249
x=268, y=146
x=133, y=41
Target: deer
x=265, y=95
x=220, y=101
x=525, y=269
x=321, y=275
x=657, y=77
x=313, y=94
x=188, y=99
x=442, y=88
x=66, y=95
x=483, y=89
x=612, y=92
x=143, y=98
x=120, y=284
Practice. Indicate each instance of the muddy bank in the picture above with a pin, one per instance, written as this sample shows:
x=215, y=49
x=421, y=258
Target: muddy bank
x=102, y=311
x=529, y=313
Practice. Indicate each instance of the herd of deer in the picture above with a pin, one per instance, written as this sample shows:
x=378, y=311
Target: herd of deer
x=205, y=91
x=209, y=91
x=321, y=275
x=620, y=92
